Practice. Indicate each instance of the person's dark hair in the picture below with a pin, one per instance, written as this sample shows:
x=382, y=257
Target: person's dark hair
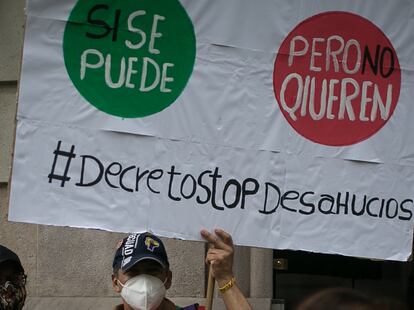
x=338, y=299
x=9, y=257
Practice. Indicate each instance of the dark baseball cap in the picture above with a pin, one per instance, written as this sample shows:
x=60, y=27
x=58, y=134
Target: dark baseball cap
x=138, y=247
x=8, y=255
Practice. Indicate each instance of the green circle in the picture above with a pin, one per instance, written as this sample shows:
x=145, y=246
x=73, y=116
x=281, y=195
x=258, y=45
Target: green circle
x=129, y=58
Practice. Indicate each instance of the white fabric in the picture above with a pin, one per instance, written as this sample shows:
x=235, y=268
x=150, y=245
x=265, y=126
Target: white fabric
x=226, y=124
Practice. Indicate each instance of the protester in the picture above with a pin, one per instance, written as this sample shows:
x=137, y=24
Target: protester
x=12, y=281
x=142, y=275
x=220, y=258
x=339, y=299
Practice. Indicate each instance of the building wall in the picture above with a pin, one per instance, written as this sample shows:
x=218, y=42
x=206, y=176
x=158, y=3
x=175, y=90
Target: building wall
x=70, y=268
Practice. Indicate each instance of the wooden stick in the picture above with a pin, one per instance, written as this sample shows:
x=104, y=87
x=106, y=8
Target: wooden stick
x=210, y=290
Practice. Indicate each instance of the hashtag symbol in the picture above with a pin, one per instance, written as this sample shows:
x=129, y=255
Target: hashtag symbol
x=62, y=154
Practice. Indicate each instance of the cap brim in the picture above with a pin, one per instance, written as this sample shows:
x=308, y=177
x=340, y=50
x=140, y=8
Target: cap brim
x=141, y=258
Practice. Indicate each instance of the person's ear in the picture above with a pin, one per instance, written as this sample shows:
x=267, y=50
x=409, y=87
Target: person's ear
x=168, y=281
x=115, y=284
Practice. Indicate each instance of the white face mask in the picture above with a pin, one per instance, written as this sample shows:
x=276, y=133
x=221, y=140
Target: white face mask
x=143, y=292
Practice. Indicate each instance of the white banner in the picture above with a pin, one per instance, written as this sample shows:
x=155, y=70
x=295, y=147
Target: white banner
x=286, y=123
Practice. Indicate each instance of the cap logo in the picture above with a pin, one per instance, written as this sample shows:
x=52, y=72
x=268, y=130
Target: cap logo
x=151, y=244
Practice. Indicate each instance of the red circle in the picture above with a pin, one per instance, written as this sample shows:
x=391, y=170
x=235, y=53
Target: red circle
x=337, y=78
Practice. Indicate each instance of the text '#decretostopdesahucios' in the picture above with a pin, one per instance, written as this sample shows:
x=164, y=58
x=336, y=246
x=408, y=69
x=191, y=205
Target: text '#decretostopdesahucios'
x=212, y=188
